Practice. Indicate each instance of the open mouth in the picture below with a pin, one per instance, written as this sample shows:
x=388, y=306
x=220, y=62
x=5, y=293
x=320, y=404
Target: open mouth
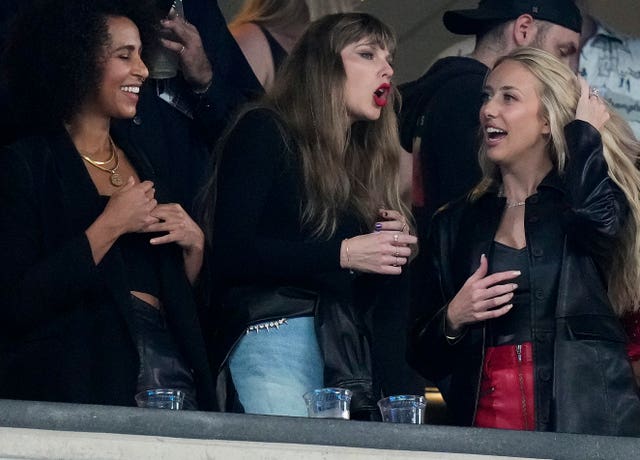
x=494, y=134
x=380, y=95
x=131, y=89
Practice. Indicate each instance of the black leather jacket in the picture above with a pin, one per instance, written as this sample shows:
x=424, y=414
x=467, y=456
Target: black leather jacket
x=583, y=381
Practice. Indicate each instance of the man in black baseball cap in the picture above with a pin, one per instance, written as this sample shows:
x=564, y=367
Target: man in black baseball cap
x=439, y=115
x=471, y=22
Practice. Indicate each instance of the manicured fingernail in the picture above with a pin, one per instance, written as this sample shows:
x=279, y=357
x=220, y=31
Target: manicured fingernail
x=517, y=272
x=514, y=286
x=510, y=306
x=482, y=256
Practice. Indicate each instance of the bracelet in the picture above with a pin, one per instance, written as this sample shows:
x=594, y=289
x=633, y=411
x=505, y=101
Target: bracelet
x=346, y=248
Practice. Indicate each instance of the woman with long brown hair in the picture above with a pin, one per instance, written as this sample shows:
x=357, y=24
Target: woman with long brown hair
x=307, y=205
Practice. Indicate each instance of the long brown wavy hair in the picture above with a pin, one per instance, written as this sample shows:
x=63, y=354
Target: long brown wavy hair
x=345, y=166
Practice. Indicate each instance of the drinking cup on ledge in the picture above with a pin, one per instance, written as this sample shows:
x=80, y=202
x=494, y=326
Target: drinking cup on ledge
x=403, y=409
x=161, y=398
x=328, y=403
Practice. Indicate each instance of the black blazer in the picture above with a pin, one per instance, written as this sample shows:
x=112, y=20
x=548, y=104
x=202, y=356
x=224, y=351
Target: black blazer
x=64, y=334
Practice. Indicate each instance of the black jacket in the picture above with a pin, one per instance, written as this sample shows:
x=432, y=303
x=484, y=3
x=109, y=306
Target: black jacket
x=65, y=329
x=441, y=108
x=583, y=381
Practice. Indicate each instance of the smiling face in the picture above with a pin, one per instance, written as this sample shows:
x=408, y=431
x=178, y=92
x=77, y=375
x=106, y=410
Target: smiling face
x=368, y=79
x=514, y=131
x=122, y=71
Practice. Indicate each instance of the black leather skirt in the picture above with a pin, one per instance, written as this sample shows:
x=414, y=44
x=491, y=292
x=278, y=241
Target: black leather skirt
x=161, y=364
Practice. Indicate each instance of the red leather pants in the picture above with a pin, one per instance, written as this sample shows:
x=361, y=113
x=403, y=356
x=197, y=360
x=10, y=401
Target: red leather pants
x=506, y=388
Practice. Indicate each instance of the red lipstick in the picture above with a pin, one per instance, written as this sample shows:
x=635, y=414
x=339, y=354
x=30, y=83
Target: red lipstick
x=380, y=95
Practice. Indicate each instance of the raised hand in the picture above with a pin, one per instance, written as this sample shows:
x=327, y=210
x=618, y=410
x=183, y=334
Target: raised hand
x=194, y=62
x=481, y=297
x=127, y=211
x=391, y=221
x=590, y=107
x=383, y=252
x=129, y=208
x=182, y=230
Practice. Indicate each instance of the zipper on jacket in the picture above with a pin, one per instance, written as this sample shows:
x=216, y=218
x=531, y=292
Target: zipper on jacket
x=479, y=382
x=522, y=390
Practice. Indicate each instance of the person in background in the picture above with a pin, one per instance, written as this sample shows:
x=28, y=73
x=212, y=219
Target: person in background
x=266, y=31
x=306, y=222
x=439, y=122
x=98, y=260
x=610, y=61
x=179, y=119
x=526, y=274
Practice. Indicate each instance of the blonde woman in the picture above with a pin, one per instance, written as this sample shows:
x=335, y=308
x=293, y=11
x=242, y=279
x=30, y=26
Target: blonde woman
x=527, y=273
x=307, y=204
x=266, y=31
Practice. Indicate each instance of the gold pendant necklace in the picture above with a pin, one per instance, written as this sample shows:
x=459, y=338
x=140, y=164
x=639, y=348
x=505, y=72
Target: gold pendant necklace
x=115, y=178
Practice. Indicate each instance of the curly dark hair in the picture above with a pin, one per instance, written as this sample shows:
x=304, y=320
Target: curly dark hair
x=52, y=59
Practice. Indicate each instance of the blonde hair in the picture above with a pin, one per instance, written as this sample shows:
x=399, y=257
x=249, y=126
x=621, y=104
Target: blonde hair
x=345, y=167
x=559, y=91
x=272, y=13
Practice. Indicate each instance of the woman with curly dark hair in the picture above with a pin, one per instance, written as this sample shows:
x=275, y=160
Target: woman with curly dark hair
x=95, y=307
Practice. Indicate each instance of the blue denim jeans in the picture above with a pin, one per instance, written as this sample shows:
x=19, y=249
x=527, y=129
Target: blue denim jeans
x=272, y=368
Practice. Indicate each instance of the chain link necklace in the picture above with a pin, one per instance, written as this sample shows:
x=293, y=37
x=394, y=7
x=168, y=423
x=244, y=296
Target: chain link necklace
x=115, y=178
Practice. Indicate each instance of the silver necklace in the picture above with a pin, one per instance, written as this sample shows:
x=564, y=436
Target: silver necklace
x=514, y=204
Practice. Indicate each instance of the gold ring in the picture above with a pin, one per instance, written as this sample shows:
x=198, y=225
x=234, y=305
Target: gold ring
x=395, y=237
x=181, y=50
x=396, y=254
x=396, y=264
x=404, y=227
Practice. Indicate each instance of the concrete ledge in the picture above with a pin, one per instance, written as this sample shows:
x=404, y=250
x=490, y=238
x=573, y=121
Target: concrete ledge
x=310, y=432
x=19, y=443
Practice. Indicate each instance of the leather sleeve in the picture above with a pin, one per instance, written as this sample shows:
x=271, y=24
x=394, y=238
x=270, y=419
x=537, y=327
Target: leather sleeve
x=598, y=207
x=429, y=352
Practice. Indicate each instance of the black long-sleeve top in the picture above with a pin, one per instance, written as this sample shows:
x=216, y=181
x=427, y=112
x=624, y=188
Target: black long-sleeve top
x=258, y=233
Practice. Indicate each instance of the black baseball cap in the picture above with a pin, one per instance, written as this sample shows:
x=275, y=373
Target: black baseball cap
x=565, y=13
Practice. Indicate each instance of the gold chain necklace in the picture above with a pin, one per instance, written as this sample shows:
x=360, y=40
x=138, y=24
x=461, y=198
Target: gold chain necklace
x=115, y=178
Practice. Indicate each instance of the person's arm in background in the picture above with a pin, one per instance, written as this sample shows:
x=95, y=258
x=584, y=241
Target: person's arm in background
x=213, y=64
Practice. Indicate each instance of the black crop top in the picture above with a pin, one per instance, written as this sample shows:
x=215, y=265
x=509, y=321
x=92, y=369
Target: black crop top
x=515, y=326
x=140, y=261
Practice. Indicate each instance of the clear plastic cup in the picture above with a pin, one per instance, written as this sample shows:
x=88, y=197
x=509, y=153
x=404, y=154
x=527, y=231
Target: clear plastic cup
x=162, y=62
x=161, y=398
x=403, y=409
x=328, y=403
